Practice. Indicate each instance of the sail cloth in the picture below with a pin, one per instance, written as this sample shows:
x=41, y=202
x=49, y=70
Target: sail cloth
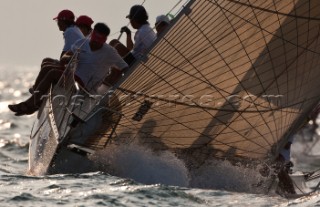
x=234, y=76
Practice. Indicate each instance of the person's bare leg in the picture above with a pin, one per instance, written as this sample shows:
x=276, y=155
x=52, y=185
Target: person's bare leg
x=51, y=77
x=44, y=71
x=33, y=103
x=49, y=61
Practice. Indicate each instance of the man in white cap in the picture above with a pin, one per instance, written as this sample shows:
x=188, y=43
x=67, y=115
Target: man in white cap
x=162, y=21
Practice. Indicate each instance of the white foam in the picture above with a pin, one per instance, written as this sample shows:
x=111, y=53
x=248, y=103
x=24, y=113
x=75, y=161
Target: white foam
x=142, y=165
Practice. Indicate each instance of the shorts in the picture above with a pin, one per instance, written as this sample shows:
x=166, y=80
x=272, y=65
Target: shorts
x=129, y=59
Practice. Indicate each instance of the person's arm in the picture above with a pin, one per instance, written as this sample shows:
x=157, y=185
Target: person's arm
x=129, y=38
x=62, y=53
x=114, y=75
x=66, y=57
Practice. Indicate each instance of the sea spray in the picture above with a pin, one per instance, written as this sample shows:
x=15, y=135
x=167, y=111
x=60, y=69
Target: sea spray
x=219, y=174
x=142, y=165
x=145, y=166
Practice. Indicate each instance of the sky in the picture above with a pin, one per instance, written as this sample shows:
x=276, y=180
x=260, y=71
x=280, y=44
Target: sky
x=29, y=33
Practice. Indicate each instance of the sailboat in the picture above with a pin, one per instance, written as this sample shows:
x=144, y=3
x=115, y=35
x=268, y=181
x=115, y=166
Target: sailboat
x=229, y=79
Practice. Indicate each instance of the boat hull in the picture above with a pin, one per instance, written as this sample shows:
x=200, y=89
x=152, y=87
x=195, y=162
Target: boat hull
x=230, y=80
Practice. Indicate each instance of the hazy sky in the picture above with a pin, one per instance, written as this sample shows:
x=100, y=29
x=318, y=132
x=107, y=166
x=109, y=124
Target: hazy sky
x=29, y=33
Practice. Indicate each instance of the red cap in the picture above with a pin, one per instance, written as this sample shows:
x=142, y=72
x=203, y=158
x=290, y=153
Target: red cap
x=84, y=20
x=65, y=15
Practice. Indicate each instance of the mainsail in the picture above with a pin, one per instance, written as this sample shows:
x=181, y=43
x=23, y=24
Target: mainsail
x=234, y=76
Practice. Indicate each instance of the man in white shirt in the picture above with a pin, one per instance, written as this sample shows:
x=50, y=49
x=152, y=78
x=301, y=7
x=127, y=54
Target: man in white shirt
x=143, y=38
x=95, y=58
x=71, y=33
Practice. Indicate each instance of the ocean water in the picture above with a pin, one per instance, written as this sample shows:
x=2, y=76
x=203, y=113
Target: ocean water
x=130, y=176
